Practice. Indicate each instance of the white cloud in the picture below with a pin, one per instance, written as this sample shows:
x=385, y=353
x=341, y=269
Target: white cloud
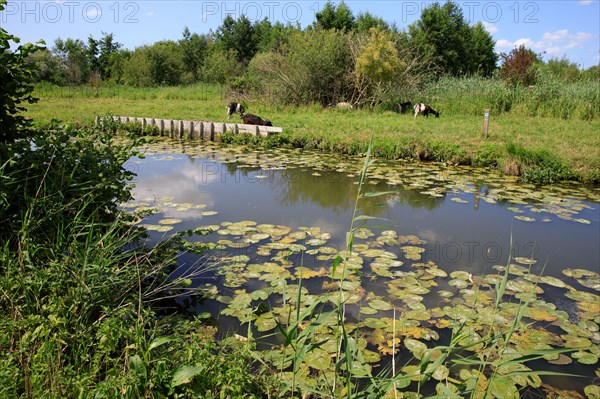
x=93, y=12
x=490, y=27
x=150, y=13
x=554, y=43
x=584, y=2
x=557, y=35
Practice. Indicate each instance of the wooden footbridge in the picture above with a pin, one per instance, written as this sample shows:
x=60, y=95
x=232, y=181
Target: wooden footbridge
x=199, y=130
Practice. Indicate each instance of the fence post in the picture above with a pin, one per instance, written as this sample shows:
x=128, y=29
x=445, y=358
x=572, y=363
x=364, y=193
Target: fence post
x=486, y=122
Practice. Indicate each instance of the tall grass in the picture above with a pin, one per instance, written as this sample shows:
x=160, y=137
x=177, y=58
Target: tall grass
x=196, y=92
x=550, y=97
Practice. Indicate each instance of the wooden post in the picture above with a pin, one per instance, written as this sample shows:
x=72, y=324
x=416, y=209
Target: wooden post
x=97, y=120
x=161, y=127
x=201, y=132
x=143, y=126
x=212, y=131
x=486, y=122
x=171, y=128
x=180, y=130
x=191, y=129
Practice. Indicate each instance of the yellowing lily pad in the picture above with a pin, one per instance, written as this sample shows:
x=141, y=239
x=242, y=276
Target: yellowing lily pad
x=170, y=221
x=524, y=218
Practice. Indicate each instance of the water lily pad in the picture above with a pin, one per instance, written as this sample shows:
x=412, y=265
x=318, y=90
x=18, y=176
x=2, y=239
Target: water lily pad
x=318, y=359
x=592, y=391
x=524, y=218
x=525, y=261
x=315, y=241
x=170, y=221
x=265, y=322
x=363, y=233
x=208, y=213
x=380, y=305
x=579, y=273
x=367, y=310
x=157, y=228
x=585, y=357
x=417, y=348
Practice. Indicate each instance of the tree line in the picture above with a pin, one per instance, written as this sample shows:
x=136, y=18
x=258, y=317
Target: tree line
x=340, y=57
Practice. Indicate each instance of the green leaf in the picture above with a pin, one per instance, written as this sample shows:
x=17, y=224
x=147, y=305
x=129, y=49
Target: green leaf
x=160, y=341
x=503, y=388
x=185, y=374
x=137, y=366
x=376, y=194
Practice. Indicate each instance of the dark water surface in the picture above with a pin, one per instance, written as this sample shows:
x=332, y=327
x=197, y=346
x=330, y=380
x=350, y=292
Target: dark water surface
x=464, y=217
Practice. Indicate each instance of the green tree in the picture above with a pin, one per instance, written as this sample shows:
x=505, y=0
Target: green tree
x=108, y=48
x=447, y=39
x=158, y=64
x=220, y=65
x=366, y=21
x=332, y=17
x=237, y=36
x=73, y=56
x=45, y=66
x=273, y=37
x=561, y=69
x=17, y=78
x=592, y=73
x=482, y=57
x=194, y=48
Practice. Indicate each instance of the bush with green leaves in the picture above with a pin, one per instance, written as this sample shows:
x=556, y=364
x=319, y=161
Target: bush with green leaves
x=16, y=87
x=315, y=67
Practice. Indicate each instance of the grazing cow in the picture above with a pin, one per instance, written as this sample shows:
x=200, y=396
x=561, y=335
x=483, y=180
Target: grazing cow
x=250, y=119
x=403, y=107
x=344, y=105
x=424, y=109
x=234, y=107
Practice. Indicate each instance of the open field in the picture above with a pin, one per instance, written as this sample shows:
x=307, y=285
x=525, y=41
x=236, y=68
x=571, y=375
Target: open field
x=574, y=144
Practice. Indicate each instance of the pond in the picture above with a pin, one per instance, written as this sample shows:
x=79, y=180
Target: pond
x=428, y=252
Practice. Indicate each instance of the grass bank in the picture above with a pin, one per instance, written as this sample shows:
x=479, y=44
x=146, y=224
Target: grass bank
x=540, y=148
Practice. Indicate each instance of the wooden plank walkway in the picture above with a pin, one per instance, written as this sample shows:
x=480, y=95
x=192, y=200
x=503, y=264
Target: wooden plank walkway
x=200, y=130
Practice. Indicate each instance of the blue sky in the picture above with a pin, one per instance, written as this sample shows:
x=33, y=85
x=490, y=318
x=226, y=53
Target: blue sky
x=561, y=28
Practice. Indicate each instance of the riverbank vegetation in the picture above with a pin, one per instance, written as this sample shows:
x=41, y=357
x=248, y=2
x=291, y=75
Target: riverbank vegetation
x=525, y=119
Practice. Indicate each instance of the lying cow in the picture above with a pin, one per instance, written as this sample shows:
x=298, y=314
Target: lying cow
x=250, y=119
x=424, y=109
x=344, y=105
x=235, y=108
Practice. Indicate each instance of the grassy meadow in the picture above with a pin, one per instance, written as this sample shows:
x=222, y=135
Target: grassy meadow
x=533, y=139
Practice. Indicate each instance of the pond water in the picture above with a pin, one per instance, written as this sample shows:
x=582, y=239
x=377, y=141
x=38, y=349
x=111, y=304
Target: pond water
x=434, y=237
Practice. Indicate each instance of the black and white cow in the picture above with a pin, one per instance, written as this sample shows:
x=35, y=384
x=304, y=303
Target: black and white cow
x=234, y=107
x=424, y=109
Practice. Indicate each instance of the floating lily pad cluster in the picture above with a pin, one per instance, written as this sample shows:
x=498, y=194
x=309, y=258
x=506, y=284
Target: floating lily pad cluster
x=421, y=300
x=275, y=278
x=162, y=205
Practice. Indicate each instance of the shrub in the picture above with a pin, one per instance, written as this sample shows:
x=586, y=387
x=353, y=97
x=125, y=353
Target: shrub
x=518, y=66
